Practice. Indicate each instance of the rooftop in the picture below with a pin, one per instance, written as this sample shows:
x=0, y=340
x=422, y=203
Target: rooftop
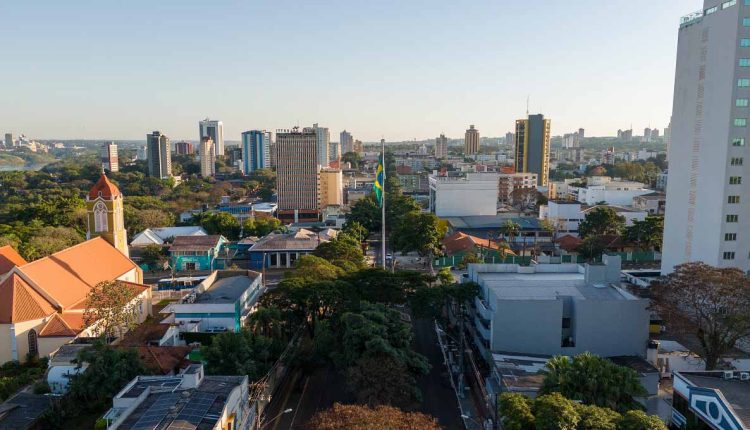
x=195, y=243
x=227, y=290
x=302, y=240
x=22, y=410
x=735, y=391
x=188, y=409
x=492, y=222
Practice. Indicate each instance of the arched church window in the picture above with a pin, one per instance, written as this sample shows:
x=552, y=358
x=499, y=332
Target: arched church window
x=33, y=343
x=100, y=218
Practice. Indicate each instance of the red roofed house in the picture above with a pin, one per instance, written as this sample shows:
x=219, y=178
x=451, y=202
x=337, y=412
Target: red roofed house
x=42, y=302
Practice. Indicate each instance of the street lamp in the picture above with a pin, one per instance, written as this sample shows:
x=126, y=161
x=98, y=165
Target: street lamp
x=285, y=411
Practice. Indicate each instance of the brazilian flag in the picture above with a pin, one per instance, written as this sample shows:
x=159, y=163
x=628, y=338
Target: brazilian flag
x=380, y=181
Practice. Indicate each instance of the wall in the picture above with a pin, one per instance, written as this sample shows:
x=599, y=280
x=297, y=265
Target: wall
x=461, y=197
x=527, y=326
x=611, y=327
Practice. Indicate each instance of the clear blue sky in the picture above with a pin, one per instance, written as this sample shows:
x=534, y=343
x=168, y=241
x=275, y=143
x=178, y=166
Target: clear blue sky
x=400, y=69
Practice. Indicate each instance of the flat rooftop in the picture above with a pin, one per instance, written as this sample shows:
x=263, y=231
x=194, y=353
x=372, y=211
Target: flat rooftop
x=226, y=290
x=547, y=286
x=192, y=409
x=736, y=391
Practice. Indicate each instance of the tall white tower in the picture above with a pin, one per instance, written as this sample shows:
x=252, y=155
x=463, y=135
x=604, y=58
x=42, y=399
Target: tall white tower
x=708, y=206
x=214, y=130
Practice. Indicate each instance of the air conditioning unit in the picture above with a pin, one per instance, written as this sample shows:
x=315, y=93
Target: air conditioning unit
x=745, y=376
x=728, y=374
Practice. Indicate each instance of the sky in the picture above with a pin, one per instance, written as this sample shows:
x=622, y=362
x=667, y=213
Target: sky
x=393, y=69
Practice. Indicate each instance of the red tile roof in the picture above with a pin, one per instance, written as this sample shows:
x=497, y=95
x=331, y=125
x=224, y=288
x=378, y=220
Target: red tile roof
x=569, y=243
x=20, y=302
x=459, y=241
x=104, y=188
x=9, y=258
x=57, y=326
x=164, y=359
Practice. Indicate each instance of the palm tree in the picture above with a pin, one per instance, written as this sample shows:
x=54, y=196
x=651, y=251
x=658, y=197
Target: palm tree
x=510, y=229
x=266, y=322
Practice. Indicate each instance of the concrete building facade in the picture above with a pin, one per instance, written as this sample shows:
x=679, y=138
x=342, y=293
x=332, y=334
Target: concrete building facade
x=208, y=157
x=110, y=161
x=256, y=150
x=297, y=174
x=331, y=188
x=215, y=130
x=471, y=141
x=159, y=155
x=707, y=212
x=532, y=147
x=472, y=195
x=441, y=146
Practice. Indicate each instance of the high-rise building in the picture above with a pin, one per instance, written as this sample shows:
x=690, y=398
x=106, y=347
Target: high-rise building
x=510, y=138
x=256, y=150
x=708, y=210
x=331, y=188
x=297, y=174
x=233, y=155
x=272, y=158
x=323, y=137
x=214, y=130
x=532, y=147
x=581, y=133
x=655, y=133
x=109, y=157
x=347, y=142
x=159, y=155
x=9, y=140
x=183, y=148
x=358, y=147
x=471, y=141
x=334, y=152
x=647, y=134
x=441, y=146
x=208, y=157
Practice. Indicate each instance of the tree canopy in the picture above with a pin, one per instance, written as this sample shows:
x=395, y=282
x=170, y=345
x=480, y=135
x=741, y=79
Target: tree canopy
x=353, y=417
x=601, y=221
x=710, y=303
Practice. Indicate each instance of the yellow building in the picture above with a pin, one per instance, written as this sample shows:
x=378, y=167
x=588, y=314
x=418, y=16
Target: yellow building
x=331, y=188
x=105, y=214
x=532, y=147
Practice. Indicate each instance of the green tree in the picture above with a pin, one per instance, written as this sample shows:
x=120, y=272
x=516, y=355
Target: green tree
x=381, y=379
x=47, y=241
x=137, y=220
x=356, y=230
x=555, y=412
x=593, y=380
x=352, y=157
x=112, y=305
x=313, y=268
x=343, y=251
x=710, y=303
x=515, y=411
x=646, y=234
x=109, y=369
x=601, y=221
x=510, y=229
x=221, y=223
x=266, y=321
x=153, y=255
x=420, y=232
x=638, y=420
x=597, y=418
x=355, y=417
x=240, y=353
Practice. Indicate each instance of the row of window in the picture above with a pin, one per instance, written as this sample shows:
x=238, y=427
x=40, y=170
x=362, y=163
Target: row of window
x=726, y=4
x=729, y=255
x=735, y=180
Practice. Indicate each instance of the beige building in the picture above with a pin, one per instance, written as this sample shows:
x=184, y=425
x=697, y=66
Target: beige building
x=331, y=188
x=441, y=146
x=471, y=141
x=297, y=174
x=208, y=157
x=509, y=182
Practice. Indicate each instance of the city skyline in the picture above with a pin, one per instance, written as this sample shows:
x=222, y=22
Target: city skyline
x=374, y=86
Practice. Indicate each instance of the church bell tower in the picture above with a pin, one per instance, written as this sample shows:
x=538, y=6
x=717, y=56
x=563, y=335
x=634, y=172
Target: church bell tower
x=104, y=210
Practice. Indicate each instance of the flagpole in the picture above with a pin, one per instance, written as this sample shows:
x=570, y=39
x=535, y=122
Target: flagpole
x=382, y=206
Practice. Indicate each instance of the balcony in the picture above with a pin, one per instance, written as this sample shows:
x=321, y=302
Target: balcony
x=483, y=309
x=483, y=330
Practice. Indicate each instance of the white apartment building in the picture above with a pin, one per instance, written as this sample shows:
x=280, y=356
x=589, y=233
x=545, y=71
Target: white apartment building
x=109, y=156
x=708, y=208
x=214, y=130
x=208, y=157
x=323, y=137
x=472, y=195
x=567, y=215
x=441, y=146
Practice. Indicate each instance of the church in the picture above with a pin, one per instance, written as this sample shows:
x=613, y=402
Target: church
x=42, y=302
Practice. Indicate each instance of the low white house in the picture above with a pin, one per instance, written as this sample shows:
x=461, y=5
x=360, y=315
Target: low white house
x=160, y=236
x=567, y=215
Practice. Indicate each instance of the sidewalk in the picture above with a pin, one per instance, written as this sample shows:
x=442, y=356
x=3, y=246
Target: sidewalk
x=469, y=412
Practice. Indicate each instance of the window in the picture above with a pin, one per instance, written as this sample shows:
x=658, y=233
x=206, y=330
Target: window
x=740, y=122
x=729, y=237
x=746, y=22
x=741, y=103
x=733, y=218
x=738, y=141
x=729, y=255
x=729, y=3
x=100, y=218
x=744, y=43
x=743, y=82
x=735, y=180
x=733, y=199
x=744, y=62
x=711, y=10
x=736, y=161
x=33, y=343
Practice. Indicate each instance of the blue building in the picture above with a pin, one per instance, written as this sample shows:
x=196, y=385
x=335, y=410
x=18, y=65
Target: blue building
x=196, y=252
x=256, y=150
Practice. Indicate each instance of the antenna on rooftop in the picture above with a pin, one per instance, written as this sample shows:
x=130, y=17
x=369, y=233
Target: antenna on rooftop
x=527, y=105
